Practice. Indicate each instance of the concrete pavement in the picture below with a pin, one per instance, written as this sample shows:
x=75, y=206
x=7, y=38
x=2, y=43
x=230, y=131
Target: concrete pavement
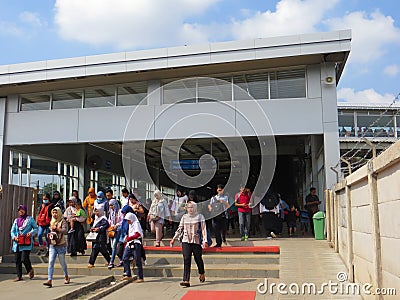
x=302, y=260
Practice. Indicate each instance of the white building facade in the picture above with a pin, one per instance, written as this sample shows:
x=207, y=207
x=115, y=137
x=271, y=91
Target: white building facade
x=63, y=121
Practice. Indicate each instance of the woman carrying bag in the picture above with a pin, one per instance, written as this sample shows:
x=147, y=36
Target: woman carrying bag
x=158, y=212
x=22, y=231
x=58, y=245
x=99, y=229
x=189, y=229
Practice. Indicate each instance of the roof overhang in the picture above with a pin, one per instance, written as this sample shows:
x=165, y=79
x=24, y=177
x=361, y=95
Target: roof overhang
x=178, y=62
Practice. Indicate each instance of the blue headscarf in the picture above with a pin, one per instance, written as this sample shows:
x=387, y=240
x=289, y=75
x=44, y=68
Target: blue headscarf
x=101, y=198
x=127, y=209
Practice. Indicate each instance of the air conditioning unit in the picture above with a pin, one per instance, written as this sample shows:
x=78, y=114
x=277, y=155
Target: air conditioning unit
x=329, y=80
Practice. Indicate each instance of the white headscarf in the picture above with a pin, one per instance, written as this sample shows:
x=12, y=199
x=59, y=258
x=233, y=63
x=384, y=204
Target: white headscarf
x=135, y=226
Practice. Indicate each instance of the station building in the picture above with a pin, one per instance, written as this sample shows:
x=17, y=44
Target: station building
x=63, y=122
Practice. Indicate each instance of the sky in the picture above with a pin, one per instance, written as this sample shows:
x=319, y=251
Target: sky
x=52, y=29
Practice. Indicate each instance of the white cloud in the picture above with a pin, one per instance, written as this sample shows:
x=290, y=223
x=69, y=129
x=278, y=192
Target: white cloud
x=7, y=28
x=128, y=24
x=290, y=17
x=391, y=70
x=31, y=18
x=371, y=34
x=365, y=96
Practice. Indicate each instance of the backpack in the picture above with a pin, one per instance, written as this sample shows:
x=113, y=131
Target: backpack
x=44, y=218
x=270, y=200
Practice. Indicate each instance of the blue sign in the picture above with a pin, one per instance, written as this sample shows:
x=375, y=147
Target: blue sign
x=193, y=164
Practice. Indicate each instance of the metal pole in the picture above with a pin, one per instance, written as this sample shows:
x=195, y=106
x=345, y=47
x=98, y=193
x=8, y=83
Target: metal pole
x=347, y=163
x=369, y=143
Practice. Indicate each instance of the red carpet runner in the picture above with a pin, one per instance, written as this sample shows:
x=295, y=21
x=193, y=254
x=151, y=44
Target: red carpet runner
x=220, y=295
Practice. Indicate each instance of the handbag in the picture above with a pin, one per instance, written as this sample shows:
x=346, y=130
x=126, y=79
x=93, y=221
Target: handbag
x=92, y=236
x=53, y=237
x=24, y=239
x=110, y=232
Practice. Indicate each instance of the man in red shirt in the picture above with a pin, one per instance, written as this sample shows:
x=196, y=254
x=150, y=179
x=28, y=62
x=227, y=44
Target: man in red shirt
x=242, y=201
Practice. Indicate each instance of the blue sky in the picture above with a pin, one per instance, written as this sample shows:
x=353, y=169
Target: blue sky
x=50, y=29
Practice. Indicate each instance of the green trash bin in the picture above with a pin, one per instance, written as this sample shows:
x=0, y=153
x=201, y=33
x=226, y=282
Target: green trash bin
x=319, y=225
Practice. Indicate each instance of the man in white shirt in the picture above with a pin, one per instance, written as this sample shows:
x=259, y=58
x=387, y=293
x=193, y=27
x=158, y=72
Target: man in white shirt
x=124, y=197
x=217, y=207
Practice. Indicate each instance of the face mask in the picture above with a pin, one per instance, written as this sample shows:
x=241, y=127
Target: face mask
x=45, y=201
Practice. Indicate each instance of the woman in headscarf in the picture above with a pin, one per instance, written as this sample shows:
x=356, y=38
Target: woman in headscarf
x=58, y=201
x=100, y=226
x=133, y=248
x=22, y=231
x=76, y=238
x=158, y=211
x=115, y=218
x=101, y=202
x=58, y=245
x=190, y=227
x=88, y=204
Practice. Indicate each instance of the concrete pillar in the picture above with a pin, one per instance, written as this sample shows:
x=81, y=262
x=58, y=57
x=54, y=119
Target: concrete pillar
x=154, y=96
x=349, y=225
x=83, y=176
x=376, y=237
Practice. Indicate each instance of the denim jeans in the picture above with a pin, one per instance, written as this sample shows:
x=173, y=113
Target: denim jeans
x=114, y=245
x=43, y=230
x=244, y=223
x=53, y=251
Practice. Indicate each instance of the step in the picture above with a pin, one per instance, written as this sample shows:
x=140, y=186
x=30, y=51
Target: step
x=175, y=270
x=221, y=250
x=168, y=258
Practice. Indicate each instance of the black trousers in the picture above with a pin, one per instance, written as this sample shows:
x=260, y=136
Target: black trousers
x=187, y=250
x=99, y=247
x=269, y=223
x=22, y=257
x=310, y=215
x=219, y=225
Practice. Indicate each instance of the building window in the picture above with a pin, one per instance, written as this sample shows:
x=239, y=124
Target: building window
x=132, y=94
x=67, y=99
x=35, y=102
x=180, y=91
x=100, y=97
x=288, y=84
x=251, y=86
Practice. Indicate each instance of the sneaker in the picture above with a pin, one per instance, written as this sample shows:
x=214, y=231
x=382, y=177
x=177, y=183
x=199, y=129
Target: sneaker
x=273, y=234
x=144, y=263
x=269, y=238
x=39, y=251
x=71, y=230
x=242, y=238
x=110, y=266
x=246, y=237
x=202, y=277
x=120, y=264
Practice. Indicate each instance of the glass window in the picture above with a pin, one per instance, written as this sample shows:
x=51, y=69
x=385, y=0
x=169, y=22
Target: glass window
x=35, y=102
x=252, y=85
x=132, y=94
x=288, y=84
x=214, y=89
x=100, y=97
x=67, y=99
x=181, y=91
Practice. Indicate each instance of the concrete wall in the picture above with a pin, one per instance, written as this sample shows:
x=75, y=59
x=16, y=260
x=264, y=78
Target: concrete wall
x=365, y=208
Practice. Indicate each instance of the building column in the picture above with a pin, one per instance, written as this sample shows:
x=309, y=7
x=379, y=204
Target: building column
x=5, y=155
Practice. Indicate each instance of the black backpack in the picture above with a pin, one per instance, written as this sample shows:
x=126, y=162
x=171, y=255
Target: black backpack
x=270, y=200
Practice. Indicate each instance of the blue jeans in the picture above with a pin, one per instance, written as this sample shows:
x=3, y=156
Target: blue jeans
x=53, y=251
x=43, y=230
x=244, y=223
x=114, y=245
x=137, y=254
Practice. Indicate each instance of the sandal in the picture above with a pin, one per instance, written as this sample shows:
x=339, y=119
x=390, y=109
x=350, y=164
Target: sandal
x=202, y=277
x=17, y=279
x=31, y=274
x=48, y=283
x=67, y=280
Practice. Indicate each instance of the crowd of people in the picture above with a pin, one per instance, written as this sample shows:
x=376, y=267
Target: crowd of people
x=116, y=227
